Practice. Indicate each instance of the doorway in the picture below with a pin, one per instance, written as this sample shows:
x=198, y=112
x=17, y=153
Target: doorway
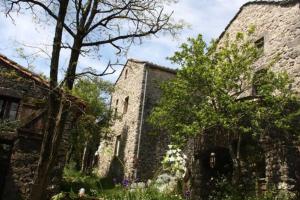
x=5, y=153
x=217, y=162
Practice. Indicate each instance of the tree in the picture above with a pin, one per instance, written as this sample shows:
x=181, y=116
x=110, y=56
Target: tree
x=93, y=124
x=87, y=25
x=212, y=94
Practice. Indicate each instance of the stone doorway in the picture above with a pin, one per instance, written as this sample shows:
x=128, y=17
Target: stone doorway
x=5, y=153
x=217, y=162
x=216, y=165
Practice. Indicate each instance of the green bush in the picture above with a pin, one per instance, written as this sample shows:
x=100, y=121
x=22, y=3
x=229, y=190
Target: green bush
x=97, y=188
x=225, y=190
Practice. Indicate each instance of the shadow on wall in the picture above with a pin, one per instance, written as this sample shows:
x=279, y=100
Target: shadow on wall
x=117, y=168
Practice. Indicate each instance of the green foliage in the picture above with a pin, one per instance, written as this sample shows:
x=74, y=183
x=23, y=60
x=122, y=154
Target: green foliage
x=94, y=91
x=73, y=180
x=224, y=190
x=145, y=194
x=7, y=126
x=97, y=188
x=211, y=92
x=94, y=123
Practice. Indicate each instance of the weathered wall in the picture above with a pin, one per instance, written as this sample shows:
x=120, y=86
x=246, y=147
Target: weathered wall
x=27, y=142
x=140, y=152
x=125, y=125
x=279, y=24
x=153, y=144
x=280, y=27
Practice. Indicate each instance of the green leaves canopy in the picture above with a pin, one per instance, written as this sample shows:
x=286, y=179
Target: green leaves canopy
x=94, y=123
x=214, y=90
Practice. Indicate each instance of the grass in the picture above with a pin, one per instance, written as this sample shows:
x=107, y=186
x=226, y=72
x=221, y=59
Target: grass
x=104, y=189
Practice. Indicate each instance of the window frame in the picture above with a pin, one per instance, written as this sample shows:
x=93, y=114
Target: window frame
x=260, y=43
x=125, y=106
x=6, y=108
x=118, y=146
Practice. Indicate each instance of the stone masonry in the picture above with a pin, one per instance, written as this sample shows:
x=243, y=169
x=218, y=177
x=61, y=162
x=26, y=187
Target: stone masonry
x=277, y=24
x=133, y=151
x=18, y=165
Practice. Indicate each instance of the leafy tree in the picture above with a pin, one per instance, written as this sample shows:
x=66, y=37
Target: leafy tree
x=84, y=26
x=93, y=124
x=213, y=93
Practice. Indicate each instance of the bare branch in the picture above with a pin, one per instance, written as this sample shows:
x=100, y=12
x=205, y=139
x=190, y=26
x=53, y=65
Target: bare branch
x=32, y=3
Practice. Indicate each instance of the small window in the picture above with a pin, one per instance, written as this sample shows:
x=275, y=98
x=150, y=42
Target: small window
x=8, y=108
x=125, y=105
x=115, y=113
x=260, y=43
x=117, y=147
x=126, y=73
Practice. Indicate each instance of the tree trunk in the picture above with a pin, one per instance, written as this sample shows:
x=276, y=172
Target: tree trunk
x=84, y=158
x=71, y=72
x=54, y=113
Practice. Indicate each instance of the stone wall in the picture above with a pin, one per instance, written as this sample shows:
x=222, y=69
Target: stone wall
x=280, y=27
x=279, y=24
x=27, y=140
x=125, y=125
x=139, y=152
x=154, y=143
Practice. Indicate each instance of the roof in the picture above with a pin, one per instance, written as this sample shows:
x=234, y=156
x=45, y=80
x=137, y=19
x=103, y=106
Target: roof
x=259, y=2
x=154, y=66
x=31, y=75
x=24, y=71
x=148, y=64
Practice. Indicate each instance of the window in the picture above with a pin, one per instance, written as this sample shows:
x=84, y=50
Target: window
x=260, y=43
x=118, y=143
x=115, y=113
x=125, y=105
x=126, y=73
x=8, y=108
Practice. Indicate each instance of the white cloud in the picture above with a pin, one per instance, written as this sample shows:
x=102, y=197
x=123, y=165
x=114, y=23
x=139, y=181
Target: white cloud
x=208, y=17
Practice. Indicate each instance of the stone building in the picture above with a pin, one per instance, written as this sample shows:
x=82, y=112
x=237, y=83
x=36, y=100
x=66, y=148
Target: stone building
x=23, y=99
x=134, y=151
x=277, y=31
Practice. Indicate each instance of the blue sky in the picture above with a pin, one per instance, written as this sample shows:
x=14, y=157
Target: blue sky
x=208, y=17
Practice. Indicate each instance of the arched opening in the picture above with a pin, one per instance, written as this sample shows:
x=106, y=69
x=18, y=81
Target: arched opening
x=217, y=162
x=216, y=167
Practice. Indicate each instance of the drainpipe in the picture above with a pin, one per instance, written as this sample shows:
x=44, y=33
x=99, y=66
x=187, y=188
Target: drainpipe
x=142, y=118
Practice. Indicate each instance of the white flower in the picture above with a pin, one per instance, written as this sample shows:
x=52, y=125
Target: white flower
x=175, y=162
x=81, y=192
x=283, y=186
x=171, y=159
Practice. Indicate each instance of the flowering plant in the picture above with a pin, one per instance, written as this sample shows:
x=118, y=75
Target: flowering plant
x=175, y=161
